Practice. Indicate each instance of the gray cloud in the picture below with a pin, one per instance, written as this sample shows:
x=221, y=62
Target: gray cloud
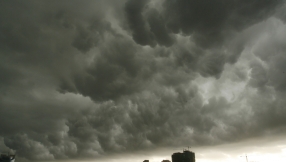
x=207, y=21
x=133, y=13
x=76, y=83
x=158, y=28
x=115, y=72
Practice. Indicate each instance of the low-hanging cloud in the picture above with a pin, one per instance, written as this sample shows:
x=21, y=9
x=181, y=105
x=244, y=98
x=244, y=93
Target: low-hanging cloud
x=88, y=79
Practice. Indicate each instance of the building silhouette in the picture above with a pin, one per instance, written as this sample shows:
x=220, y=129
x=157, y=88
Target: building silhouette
x=166, y=161
x=186, y=156
x=7, y=158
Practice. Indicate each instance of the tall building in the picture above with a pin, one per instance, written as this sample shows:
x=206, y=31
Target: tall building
x=186, y=156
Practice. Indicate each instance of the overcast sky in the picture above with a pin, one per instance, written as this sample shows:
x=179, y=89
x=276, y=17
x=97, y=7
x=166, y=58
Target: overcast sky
x=129, y=80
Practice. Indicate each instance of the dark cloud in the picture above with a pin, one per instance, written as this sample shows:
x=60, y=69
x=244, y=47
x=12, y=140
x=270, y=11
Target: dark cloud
x=204, y=19
x=76, y=83
x=157, y=27
x=8, y=77
x=281, y=14
x=88, y=37
x=30, y=149
x=271, y=52
x=114, y=73
x=210, y=20
x=140, y=34
x=207, y=21
x=85, y=40
x=210, y=24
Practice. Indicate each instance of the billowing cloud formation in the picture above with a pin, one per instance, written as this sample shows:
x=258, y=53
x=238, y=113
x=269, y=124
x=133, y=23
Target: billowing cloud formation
x=88, y=79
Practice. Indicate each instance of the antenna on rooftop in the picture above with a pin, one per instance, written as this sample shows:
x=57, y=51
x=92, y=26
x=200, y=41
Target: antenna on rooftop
x=188, y=149
x=245, y=157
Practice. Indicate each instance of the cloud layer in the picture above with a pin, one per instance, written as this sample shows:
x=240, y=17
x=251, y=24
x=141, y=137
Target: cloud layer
x=89, y=79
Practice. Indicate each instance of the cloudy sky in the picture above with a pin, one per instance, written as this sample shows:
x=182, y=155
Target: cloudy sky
x=129, y=80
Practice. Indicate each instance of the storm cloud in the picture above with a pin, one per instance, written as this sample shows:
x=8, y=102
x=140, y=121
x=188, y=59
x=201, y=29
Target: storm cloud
x=88, y=79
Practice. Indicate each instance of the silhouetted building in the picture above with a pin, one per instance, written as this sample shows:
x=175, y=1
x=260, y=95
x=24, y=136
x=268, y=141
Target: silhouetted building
x=7, y=158
x=186, y=156
x=146, y=161
x=166, y=161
